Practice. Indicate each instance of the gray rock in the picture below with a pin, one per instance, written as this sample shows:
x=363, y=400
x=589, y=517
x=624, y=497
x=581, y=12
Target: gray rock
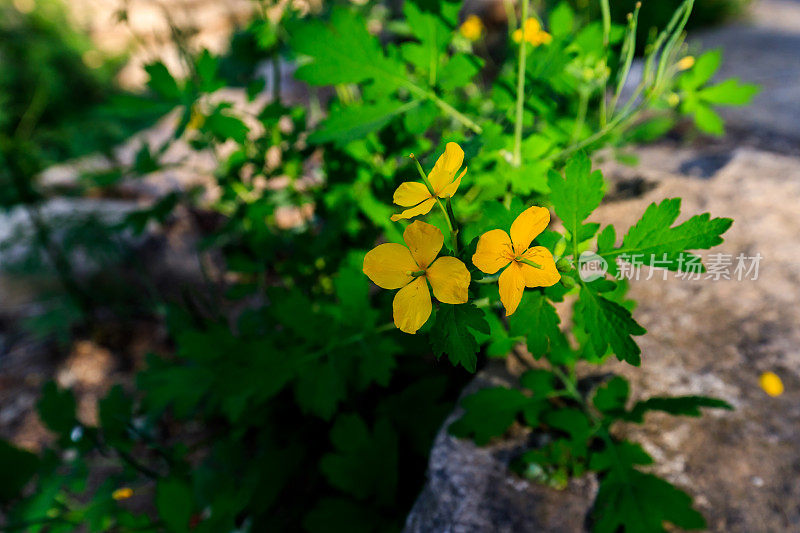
x=704, y=337
x=470, y=489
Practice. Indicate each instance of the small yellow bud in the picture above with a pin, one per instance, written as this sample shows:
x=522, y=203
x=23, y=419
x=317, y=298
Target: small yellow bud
x=673, y=99
x=771, y=383
x=122, y=494
x=472, y=28
x=638, y=5
x=686, y=63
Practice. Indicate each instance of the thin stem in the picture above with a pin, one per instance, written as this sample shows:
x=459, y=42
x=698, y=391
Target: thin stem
x=628, y=51
x=580, y=119
x=276, y=78
x=604, y=8
x=511, y=16
x=446, y=211
x=517, y=161
x=444, y=106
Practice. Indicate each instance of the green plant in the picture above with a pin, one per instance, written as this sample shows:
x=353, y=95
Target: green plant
x=287, y=399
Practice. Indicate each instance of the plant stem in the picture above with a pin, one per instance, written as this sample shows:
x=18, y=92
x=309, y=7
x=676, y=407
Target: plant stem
x=606, y=11
x=447, y=212
x=444, y=106
x=517, y=161
x=583, y=104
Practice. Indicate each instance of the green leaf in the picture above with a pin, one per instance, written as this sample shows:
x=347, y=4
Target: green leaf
x=162, y=82
x=459, y=71
x=623, y=455
x=729, y=92
x=319, y=389
x=608, y=324
x=433, y=35
x=18, y=467
x=351, y=123
x=678, y=406
x=635, y=502
x=224, y=127
x=610, y=399
x=365, y=462
x=653, y=240
x=338, y=515
x=708, y=120
x=562, y=20
x=574, y=422
x=539, y=381
x=704, y=68
x=356, y=57
x=174, y=504
x=489, y=413
x=207, y=67
x=537, y=320
x=577, y=194
x=451, y=334
x=57, y=408
x=418, y=119
x=115, y=411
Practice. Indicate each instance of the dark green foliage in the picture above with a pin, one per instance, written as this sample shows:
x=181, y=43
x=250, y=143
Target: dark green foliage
x=452, y=333
x=18, y=467
x=641, y=503
x=489, y=413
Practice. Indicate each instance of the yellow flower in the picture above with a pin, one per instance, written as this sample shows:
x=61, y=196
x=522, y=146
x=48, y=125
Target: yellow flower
x=685, y=63
x=419, y=196
x=472, y=28
x=771, y=383
x=533, y=33
x=393, y=266
x=122, y=494
x=527, y=267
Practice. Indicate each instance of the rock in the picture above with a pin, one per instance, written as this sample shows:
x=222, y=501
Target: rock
x=704, y=337
x=470, y=489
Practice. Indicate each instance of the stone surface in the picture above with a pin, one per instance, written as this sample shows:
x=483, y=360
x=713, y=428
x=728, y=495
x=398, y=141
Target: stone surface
x=470, y=489
x=704, y=337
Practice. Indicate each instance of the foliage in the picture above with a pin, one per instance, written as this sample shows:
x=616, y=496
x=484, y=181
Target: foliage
x=286, y=400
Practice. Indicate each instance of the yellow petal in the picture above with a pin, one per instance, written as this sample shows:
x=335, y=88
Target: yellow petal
x=532, y=26
x=421, y=209
x=771, y=383
x=446, y=167
x=411, y=193
x=527, y=226
x=451, y=189
x=540, y=277
x=545, y=38
x=424, y=241
x=472, y=27
x=517, y=35
x=390, y=265
x=412, y=306
x=512, y=285
x=493, y=252
x=449, y=279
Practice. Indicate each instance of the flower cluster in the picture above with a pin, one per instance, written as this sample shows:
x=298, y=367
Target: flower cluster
x=534, y=34
x=414, y=267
